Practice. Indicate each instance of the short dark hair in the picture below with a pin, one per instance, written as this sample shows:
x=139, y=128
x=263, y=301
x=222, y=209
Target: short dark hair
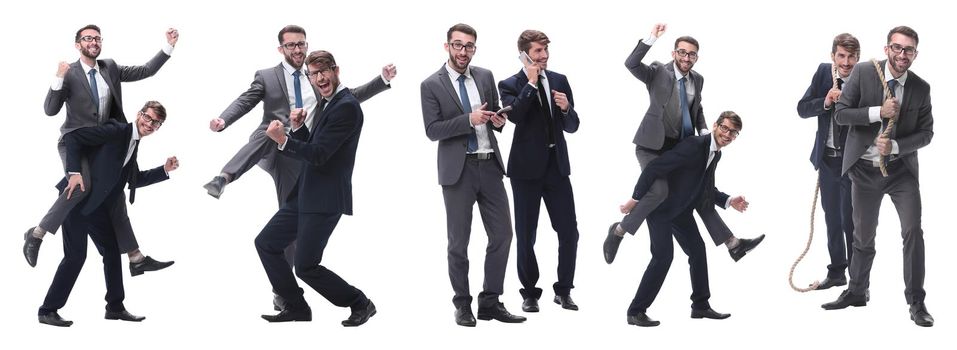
x=88, y=26
x=530, y=36
x=905, y=30
x=292, y=28
x=689, y=40
x=461, y=27
x=157, y=107
x=733, y=117
x=848, y=42
x=321, y=57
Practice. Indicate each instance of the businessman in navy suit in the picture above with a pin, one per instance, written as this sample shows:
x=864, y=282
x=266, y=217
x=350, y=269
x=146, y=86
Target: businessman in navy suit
x=326, y=145
x=111, y=149
x=542, y=110
x=828, y=153
x=690, y=168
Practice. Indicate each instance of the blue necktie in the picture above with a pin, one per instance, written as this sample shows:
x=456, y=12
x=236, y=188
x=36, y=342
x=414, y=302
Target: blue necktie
x=298, y=87
x=686, y=129
x=467, y=107
x=94, y=91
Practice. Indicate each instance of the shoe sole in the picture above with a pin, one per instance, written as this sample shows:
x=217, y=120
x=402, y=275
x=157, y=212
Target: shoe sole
x=611, y=231
x=140, y=272
x=653, y=324
x=841, y=308
x=921, y=324
x=489, y=318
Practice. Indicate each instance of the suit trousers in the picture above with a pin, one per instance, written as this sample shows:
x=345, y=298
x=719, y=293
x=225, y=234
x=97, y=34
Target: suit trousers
x=556, y=191
x=312, y=231
x=481, y=182
x=685, y=231
x=100, y=228
x=836, y=203
x=867, y=191
x=62, y=207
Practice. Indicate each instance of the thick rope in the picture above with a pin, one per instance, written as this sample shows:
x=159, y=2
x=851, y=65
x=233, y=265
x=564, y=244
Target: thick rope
x=892, y=120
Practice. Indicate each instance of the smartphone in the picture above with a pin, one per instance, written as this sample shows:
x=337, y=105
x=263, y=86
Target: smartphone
x=523, y=57
x=505, y=109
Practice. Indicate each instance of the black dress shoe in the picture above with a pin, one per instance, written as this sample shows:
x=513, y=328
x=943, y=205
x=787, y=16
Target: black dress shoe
x=31, y=247
x=566, y=302
x=829, y=282
x=290, y=315
x=54, y=319
x=278, y=303
x=744, y=246
x=530, y=305
x=920, y=316
x=463, y=317
x=642, y=320
x=708, y=313
x=360, y=316
x=846, y=299
x=148, y=264
x=123, y=316
x=215, y=187
x=612, y=241
x=498, y=313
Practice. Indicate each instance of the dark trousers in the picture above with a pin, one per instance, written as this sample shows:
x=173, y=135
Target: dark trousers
x=100, y=229
x=556, y=191
x=836, y=203
x=685, y=231
x=311, y=231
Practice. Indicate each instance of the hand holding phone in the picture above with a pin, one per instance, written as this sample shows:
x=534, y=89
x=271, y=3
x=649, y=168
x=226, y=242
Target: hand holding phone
x=505, y=109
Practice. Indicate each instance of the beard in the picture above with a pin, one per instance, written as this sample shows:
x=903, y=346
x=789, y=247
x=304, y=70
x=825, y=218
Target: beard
x=89, y=52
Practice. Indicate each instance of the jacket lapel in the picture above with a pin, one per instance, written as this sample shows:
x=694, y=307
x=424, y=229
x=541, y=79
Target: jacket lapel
x=443, y=77
x=281, y=78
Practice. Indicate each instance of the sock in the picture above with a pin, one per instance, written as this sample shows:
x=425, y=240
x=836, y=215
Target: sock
x=38, y=232
x=731, y=242
x=135, y=256
x=620, y=232
x=227, y=177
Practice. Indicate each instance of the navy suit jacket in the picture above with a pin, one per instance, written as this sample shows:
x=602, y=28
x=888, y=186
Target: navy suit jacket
x=528, y=158
x=106, y=146
x=328, y=155
x=812, y=105
x=690, y=184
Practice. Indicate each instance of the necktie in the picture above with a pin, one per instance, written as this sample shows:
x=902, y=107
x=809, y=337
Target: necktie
x=835, y=131
x=686, y=129
x=95, y=93
x=546, y=110
x=467, y=107
x=298, y=86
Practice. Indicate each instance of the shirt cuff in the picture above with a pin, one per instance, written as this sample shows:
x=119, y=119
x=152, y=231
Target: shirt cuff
x=282, y=146
x=650, y=40
x=168, y=49
x=874, y=113
x=704, y=132
x=56, y=84
x=895, y=149
x=384, y=80
x=727, y=203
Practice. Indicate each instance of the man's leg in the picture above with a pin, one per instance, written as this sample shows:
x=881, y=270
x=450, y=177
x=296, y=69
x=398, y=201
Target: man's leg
x=662, y=253
x=249, y=155
x=560, y=203
x=493, y=207
x=459, y=199
x=74, y=255
x=528, y=198
x=829, y=176
x=866, y=194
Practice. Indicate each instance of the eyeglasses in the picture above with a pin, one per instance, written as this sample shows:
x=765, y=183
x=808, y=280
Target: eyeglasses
x=323, y=71
x=90, y=38
x=733, y=132
x=457, y=46
x=156, y=123
x=693, y=55
x=293, y=45
x=908, y=51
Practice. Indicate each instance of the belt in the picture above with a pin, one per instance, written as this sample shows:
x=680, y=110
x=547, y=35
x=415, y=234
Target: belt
x=480, y=156
x=831, y=152
x=877, y=164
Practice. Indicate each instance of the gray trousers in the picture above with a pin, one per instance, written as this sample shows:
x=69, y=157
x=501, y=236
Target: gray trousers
x=657, y=194
x=868, y=187
x=58, y=212
x=481, y=182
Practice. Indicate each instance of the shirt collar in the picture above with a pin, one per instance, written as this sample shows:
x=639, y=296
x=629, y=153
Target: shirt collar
x=136, y=132
x=455, y=75
x=678, y=75
x=289, y=69
x=86, y=68
x=714, y=142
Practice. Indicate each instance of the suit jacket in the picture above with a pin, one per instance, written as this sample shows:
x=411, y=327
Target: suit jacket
x=446, y=121
x=915, y=123
x=812, y=105
x=269, y=87
x=106, y=146
x=80, y=110
x=528, y=158
x=690, y=183
x=328, y=156
x=660, y=80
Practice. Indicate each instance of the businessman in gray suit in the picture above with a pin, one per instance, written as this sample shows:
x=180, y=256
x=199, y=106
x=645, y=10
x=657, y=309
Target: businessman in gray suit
x=91, y=89
x=675, y=113
x=866, y=109
x=458, y=104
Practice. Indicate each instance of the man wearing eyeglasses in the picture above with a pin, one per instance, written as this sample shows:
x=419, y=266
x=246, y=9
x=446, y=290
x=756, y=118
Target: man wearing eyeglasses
x=458, y=108
x=826, y=156
x=674, y=114
x=111, y=149
x=689, y=168
x=543, y=111
x=91, y=89
x=866, y=108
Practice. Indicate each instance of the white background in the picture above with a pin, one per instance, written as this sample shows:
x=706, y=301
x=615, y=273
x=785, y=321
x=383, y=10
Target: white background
x=757, y=59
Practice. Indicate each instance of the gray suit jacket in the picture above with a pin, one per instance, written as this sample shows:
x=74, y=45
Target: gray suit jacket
x=446, y=121
x=660, y=80
x=80, y=110
x=269, y=86
x=915, y=124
